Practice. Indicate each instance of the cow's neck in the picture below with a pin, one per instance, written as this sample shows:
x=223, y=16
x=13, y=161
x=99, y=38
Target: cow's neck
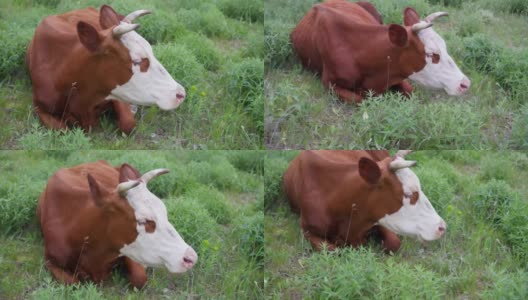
x=76, y=79
x=96, y=238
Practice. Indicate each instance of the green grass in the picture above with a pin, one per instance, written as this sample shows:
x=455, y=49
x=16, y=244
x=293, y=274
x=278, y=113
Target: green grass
x=205, y=45
x=214, y=200
x=482, y=256
x=483, y=37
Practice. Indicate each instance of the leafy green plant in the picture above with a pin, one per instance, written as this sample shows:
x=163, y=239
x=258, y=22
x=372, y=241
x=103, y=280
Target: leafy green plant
x=277, y=44
x=491, y=198
x=245, y=10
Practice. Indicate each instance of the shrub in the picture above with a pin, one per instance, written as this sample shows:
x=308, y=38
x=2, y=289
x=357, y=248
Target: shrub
x=480, y=53
x=469, y=25
x=203, y=49
x=180, y=63
x=207, y=20
x=497, y=166
x=18, y=203
x=514, y=224
x=245, y=80
x=161, y=27
x=353, y=274
x=241, y=9
x=511, y=73
x=454, y=3
x=277, y=44
x=219, y=173
x=519, y=136
x=491, y=198
x=508, y=286
x=247, y=161
x=191, y=220
x=14, y=40
x=251, y=237
x=511, y=6
x=273, y=172
x=436, y=185
x=41, y=138
x=54, y=290
x=391, y=121
x=214, y=202
x=256, y=109
x=255, y=45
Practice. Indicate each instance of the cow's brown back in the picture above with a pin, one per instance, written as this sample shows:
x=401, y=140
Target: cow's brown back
x=304, y=38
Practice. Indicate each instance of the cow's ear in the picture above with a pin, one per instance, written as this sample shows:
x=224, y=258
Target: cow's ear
x=398, y=35
x=369, y=170
x=95, y=190
x=127, y=172
x=108, y=17
x=410, y=16
x=88, y=36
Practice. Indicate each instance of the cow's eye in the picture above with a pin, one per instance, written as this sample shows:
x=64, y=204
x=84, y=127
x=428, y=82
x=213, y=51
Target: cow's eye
x=136, y=62
x=414, y=197
x=150, y=225
x=434, y=56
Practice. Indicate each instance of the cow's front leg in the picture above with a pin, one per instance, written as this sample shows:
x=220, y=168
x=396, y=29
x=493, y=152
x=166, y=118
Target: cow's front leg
x=124, y=115
x=61, y=275
x=50, y=120
x=347, y=95
x=404, y=87
x=317, y=242
x=342, y=93
x=88, y=119
x=389, y=240
x=136, y=273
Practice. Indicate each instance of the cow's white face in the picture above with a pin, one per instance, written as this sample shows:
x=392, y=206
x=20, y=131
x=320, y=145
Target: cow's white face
x=150, y=83
x=440, y=71
x=163, y=247
x=418, y=220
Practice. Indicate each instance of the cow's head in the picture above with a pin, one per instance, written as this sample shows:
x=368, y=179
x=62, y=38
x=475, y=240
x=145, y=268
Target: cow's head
x=399, y=202
x=137, y=222
x=123, y=63
x=440, y=71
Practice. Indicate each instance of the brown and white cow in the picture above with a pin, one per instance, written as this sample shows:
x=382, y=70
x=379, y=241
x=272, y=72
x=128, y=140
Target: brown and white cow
x=354, y=52
x=344, y=196
x=86, y=61
x=94, y=216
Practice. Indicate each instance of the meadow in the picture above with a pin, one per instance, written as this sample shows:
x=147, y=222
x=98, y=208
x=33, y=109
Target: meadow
x=484, y=255
x=213, y=48
x=214, y=200
x=486, y=38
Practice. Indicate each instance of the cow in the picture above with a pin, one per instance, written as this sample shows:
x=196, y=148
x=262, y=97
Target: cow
x=86, y=61
x=94, y=216
x=344, y=197
x=347, y=44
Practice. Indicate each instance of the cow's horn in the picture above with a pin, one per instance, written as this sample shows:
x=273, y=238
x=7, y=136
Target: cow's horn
x=401, y=163
x=121, y=29
x=402, y=153
x=421, y=26
x=136, y=14
x=430, y=18
x=151, y=174
x=123, y=187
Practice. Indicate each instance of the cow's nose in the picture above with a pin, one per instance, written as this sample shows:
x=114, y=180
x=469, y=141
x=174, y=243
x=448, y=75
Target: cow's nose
x=180, y=96
x=189, y=258
x=442, y=228
x=464, y=85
